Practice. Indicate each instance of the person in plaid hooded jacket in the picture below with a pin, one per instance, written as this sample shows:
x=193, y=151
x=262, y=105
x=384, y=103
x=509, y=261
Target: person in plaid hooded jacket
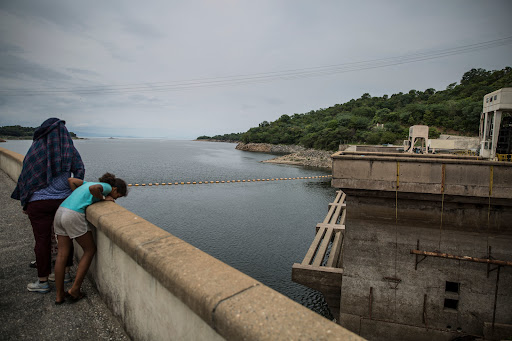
x=43, y=185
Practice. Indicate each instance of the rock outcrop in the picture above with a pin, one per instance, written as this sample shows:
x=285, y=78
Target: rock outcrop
x=293, y=155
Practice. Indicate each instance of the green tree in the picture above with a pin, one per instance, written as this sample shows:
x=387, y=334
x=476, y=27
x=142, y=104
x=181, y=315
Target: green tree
x=360, y=122
x=456, y=108
x=474, y=76
x=363, y=111
x=433, y=133
x=388, y=137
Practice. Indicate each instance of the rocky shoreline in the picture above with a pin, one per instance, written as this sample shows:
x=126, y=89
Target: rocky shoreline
x=292, y=154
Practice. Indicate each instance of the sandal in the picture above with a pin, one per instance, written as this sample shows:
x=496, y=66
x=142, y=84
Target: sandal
x=74, y=299
x=60, y=302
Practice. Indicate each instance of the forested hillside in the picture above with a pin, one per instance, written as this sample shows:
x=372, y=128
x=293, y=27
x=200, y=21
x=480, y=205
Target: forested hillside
x=386, y=119
x=19, y=132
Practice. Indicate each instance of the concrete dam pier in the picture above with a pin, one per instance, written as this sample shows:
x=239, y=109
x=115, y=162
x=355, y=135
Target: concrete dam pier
x=423, y=250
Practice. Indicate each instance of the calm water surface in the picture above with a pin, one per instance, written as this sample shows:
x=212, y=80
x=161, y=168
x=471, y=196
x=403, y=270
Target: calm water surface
x=259, y=228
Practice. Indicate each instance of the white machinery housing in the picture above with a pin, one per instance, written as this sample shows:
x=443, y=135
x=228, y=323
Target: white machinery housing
x=495, y=138
x=417, y=132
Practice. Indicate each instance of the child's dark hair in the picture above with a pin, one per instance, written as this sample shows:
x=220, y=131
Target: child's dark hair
x=115, y=182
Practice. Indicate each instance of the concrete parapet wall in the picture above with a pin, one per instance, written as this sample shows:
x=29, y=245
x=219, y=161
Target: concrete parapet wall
x=377, y=149
x=455, y=144
x=11, y=163
x=458, y=176
x=164, y=288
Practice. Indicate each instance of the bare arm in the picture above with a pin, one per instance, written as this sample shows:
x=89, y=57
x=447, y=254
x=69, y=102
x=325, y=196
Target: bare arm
x=74, y=183
x=96, y=191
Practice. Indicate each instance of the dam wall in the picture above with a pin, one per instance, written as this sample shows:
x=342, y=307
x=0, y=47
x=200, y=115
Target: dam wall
x=426, y=248
x=471, y=194
x=162, y=288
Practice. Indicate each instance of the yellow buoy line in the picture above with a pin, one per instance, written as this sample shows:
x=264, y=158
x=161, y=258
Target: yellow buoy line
x=223, y=181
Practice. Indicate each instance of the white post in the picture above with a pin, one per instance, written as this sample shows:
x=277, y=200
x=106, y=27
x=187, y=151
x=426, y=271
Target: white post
x=485, y=132
x=496, y=132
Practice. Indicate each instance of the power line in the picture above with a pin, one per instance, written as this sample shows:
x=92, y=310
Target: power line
x=265, y=77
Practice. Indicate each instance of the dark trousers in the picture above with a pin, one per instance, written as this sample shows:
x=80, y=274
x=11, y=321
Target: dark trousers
x=41, y=214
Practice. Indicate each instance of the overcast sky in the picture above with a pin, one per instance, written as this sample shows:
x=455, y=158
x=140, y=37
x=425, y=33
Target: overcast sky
x=181, y=69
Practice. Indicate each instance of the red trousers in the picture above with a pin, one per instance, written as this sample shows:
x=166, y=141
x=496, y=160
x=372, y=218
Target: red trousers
x=41, y=214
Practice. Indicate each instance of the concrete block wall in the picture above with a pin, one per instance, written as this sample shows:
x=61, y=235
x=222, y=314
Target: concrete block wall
x=163, y=288
x=382, y=292
x=472, y=194
x=377, y=256
x=455, y=144
x=423, y=174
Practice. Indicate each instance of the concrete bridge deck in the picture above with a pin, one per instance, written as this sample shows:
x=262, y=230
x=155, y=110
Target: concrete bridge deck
x=32, y=316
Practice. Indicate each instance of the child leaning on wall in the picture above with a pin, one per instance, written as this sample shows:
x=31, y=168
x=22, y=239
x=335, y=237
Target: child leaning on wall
x=70, y=223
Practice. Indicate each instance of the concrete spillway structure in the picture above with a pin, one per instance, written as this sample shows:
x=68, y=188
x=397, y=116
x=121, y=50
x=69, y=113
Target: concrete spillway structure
x=426, y=251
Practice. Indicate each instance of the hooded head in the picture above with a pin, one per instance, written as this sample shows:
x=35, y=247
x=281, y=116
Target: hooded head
x=52, y=153
x=46, y=127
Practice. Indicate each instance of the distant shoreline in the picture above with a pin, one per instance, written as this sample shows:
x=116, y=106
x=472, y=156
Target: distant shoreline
x=290, y=154
x=7, y=138
x=213, y=140
x=18, y=138
x=293, y=155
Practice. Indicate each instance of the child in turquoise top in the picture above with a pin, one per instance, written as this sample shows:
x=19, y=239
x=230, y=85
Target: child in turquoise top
x=70, y=223
x=82, y=197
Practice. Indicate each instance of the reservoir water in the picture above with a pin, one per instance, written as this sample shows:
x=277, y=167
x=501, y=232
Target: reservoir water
x=259, y=228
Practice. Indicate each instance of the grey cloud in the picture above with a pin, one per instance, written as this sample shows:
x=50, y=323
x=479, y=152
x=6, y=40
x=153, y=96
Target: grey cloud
x=108, y=44
x=248, y=106
x=9, y=48
x=64, y=14
x=15, y=67
x=139, y=28
x=274, y=101
x=82, y=72
x=114, y=50
x=143, y=99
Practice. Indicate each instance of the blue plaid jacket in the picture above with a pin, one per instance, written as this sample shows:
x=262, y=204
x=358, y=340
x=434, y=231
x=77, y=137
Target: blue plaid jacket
x=52, y=152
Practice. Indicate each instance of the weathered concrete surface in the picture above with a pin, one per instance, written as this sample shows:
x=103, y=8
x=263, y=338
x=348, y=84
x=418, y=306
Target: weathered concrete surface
x=185, y=293
x=247, y=314
x=26, y=315
x=455, y=205
x=377, y=149
x=455, y=143
x=11, y=163
x=423, y=174
x=149, y=311
x=472, y=194
x=377, y=253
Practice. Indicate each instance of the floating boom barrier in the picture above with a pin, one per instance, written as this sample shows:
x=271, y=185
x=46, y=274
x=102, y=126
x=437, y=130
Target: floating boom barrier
x=177, y=183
